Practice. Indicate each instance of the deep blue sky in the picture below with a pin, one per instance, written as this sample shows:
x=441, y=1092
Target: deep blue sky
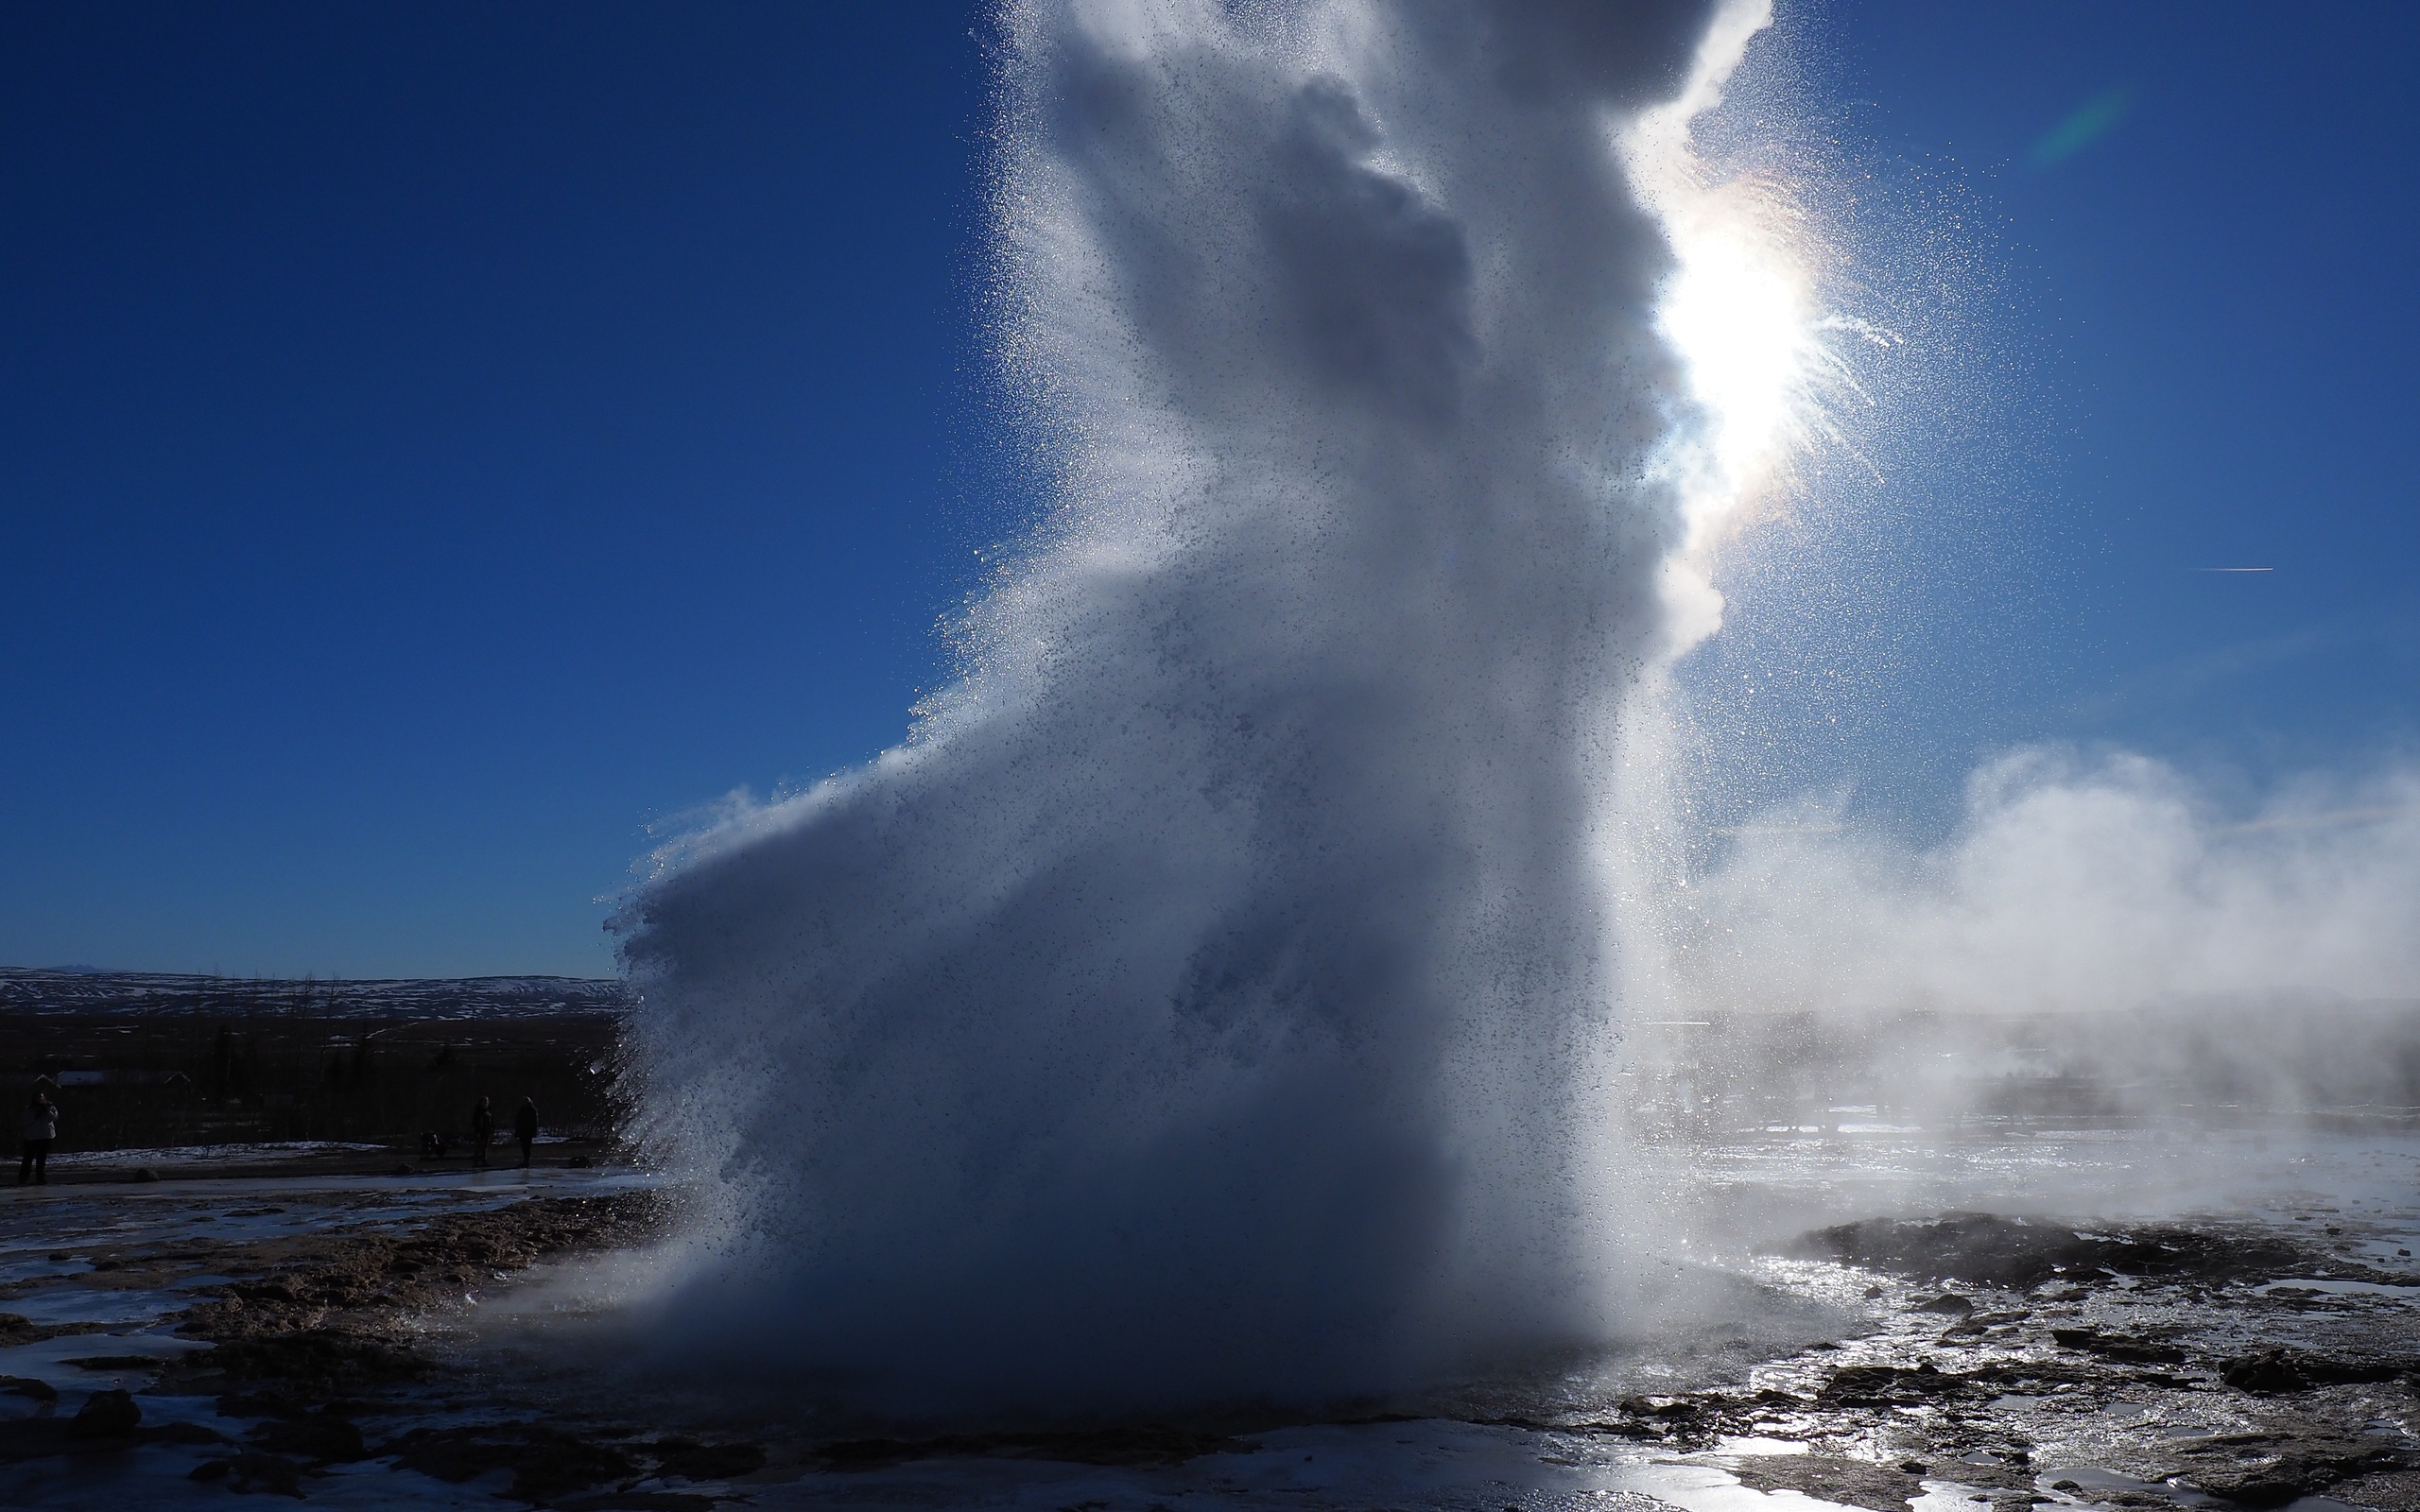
x=2214, y=305
x=440, y=441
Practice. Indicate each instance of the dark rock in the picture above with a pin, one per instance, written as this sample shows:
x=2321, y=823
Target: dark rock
x=545, y=1462
x=29, y=1388
x=2270, y=1483
x=1886, y=1385
x=118, y=1361
x=25, y=1438
x=1947, y=1302
x=143, y=1173
x=316, y=1437
x=28, y=1438
x=2383, y=1488
x=2265, y=1374
x=2118, y=1346
x=1983, y=1250
x=270, y=1475
x=2270, y=1468
x=693, y=1461
x=2274, y=1371
x=110, y=1413
x=316, y=1363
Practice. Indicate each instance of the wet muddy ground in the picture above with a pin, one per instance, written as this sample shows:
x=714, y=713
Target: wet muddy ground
x=320, y=1338
x=2036, y=1360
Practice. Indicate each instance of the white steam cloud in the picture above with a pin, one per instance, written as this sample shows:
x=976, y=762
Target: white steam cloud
x=1198, y=1006
x=2072, y=884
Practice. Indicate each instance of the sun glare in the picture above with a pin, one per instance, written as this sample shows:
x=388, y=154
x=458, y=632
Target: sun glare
x=1735, y=311
x=1738, y=311
x=1738, y=307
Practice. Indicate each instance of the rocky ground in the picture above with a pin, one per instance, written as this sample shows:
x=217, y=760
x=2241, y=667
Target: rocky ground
x=317, y=1341
x=2016, y=1362
x=2034, y=1362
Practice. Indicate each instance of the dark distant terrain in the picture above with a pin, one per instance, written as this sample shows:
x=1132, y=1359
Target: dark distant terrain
x=33, y=990
x=139, y=1060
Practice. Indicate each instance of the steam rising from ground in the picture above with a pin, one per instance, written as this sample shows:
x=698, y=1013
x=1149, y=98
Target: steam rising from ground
x=1201, y=1004
x=2072, y=884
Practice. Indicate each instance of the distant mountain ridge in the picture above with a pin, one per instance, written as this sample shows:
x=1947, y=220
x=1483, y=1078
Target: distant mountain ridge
x=84, y=989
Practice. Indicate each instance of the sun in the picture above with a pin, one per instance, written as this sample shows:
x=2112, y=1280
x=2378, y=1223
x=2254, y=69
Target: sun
x=1737, y=312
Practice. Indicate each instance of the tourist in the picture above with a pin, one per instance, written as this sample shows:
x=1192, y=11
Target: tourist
x=482, y=1131
x=525, y=1128
x=41, y=1127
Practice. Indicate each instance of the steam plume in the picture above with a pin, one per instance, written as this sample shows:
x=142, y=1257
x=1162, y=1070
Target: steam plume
x=1192, y=1007
x=2073, y=884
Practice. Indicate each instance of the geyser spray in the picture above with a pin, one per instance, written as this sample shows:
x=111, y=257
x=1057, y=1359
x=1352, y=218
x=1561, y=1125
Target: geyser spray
x=1204, y=1003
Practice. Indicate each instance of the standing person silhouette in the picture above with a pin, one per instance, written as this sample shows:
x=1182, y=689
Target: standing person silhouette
x=525, y=1128
x=482, y=1131
x=40, y=1127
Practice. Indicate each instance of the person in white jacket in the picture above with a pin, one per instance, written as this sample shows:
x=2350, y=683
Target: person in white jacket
x=41, y=1127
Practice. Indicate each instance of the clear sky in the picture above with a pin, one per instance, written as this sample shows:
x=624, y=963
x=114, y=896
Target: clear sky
x=441, y=442
x=2209, y=239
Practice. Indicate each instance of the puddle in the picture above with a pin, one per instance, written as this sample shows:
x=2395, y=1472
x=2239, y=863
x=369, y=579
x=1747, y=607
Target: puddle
x=193, y=1155
x=1705, y=1489
x=77, y=1304
x=47, y=1360
x=2098, y=1486
x=1951, y=1496
x=2287, y=1286
x=1758, y=1447
x=41, y=1269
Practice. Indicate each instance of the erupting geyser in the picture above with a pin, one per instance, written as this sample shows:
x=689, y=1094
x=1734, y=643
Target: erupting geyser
x=1203, y=1003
